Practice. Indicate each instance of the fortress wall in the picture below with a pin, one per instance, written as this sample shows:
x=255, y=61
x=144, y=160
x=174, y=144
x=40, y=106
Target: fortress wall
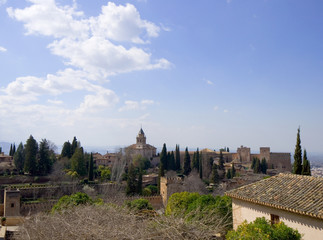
x=280, y=161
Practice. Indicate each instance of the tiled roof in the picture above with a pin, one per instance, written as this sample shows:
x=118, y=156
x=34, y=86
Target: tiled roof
x=290, y=192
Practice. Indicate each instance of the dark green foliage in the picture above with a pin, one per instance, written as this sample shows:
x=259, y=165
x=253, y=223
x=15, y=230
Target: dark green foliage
x=233, y=171
x=10, y=151
x=253, y=163
x=196, y=160
x=221, y=161
x=14, y=149
x=200, y=166
x=67, y=150
x=19, y=158
x=0, y=149
x=141, y=162
x=177, y=158
x=215, y=175
x=74, y=146
x=139, y=204
x=229, y=174
x=261, y=229
x=78, y=162
x=163, y=160
x=45, y=163
x=187, y=163
x=30, y=164
x=297, y=167
x=90, y=172
x=171, y=161
x=131, y=181
x=257, y=167
x=139, y=183
x=71, y=201
x=306, y=169
x=263, y=166
x=153, y=189
x=228, y=150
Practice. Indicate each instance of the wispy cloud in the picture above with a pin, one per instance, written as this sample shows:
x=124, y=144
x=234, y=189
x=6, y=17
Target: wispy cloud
x=225, y=110
x=2, y=49
x=209, y=82
x=2, y=2
x=135, y=105
x=216, y=108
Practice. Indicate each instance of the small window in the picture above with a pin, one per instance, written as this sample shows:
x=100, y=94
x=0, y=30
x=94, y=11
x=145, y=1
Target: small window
x=12, y=205
x=274, y=219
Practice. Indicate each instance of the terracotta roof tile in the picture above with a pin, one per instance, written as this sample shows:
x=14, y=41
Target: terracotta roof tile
x=294, y=193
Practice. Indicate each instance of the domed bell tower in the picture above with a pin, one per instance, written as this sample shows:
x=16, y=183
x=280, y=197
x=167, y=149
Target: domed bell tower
x=141, y=138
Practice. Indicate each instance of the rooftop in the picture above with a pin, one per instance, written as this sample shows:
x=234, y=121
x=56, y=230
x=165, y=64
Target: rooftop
x=290, y=192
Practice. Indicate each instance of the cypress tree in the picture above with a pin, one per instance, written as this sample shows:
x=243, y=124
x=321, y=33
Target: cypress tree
x=66, y=150
x=91, y=168
x=200, y=166
x=257, y=167
x=14, y=149
x=193, y=163
x=78, y=162
x=297, y=167
x=169, y=164
x=10, y=151
x=306, y=169
x=253, y=163
x=131, y=181
x=44, y=162
x=31, y=148
x=163, y=159
x=139, y=183
x=177, y=158
x=215, y=178
x=74, y=146
x=19, y=158
x=229, y=174
x=263, y=166
x=221, y=161
x=233, y=171
x=228, y=149
x=187, y=163
x=172, y=162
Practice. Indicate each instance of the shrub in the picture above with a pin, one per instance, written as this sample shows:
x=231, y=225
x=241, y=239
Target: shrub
x=139, y=204
x=146, y=192
x=153, y=189
x=72, y=200
x=262, y=229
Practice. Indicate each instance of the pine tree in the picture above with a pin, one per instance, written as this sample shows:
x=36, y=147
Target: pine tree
x=44, y=163
x=200, y=166
x=306, y=169
x=91, y=168
x=187, y=163
x=297, y=167
x=66, y=150
x=131, y=181
x=215, y=178
x=30, y=164
x=221, y=161
x=139, y=183
x=19, y=158
x=177, y=158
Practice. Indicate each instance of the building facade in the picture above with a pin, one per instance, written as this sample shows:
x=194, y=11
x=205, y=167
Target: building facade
x=294, y=199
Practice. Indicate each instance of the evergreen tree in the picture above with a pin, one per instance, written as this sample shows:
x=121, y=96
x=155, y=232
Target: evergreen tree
x=163, y=159
x=0, y=149
x=131, y=181
x=19, y=158
x=233, y=171
x=177, y=158
x=221, y=161
x=13, y=149
x=91, y=168
x=193, y=162
x=297, y=167
x=78, y=162
x=10, y=151
x=44, y=163
x=306, y=169
x=169, y=167
x=200, y=166
x=228, y=149
x=66, y=150
x=139, y=183
x=30, y=164
x=74, y=146
x=263, y=166
x=187, y=163
x=253, y=163
x=211, y=162
x=257, y=167
x=229, y=174
x=215, y=178
x=172, y=162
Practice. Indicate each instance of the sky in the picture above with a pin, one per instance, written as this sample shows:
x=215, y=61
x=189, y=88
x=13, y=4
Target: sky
x=207, y=74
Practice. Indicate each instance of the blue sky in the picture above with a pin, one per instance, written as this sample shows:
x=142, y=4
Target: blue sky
x=196, y=73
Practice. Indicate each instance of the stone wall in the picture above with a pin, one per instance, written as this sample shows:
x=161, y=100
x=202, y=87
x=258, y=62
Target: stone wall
x=33, y=208
x=280, y=161
x=170, y=185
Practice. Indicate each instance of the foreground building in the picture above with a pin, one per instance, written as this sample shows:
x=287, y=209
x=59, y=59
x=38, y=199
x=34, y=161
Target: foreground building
x=296, y=200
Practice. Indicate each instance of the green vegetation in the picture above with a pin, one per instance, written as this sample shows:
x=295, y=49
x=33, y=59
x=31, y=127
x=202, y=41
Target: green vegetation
x=261, y=229
x=104, y=173
x=306, y=168
x=72, y=200
x=90, y=171
x=177, y=158
x=187, y=163
x=139, y=204
x=298, y=167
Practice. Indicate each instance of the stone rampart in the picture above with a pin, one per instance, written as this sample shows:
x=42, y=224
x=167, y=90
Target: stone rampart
x=32, y=208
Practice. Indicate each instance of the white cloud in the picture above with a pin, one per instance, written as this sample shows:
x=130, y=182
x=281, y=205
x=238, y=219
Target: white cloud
x=225, y=110
x=2, y=49
x=2, y=2
x=215, y=108
x=134, y=105
x=56, y=102
x=209, y=82
x=85, y=43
